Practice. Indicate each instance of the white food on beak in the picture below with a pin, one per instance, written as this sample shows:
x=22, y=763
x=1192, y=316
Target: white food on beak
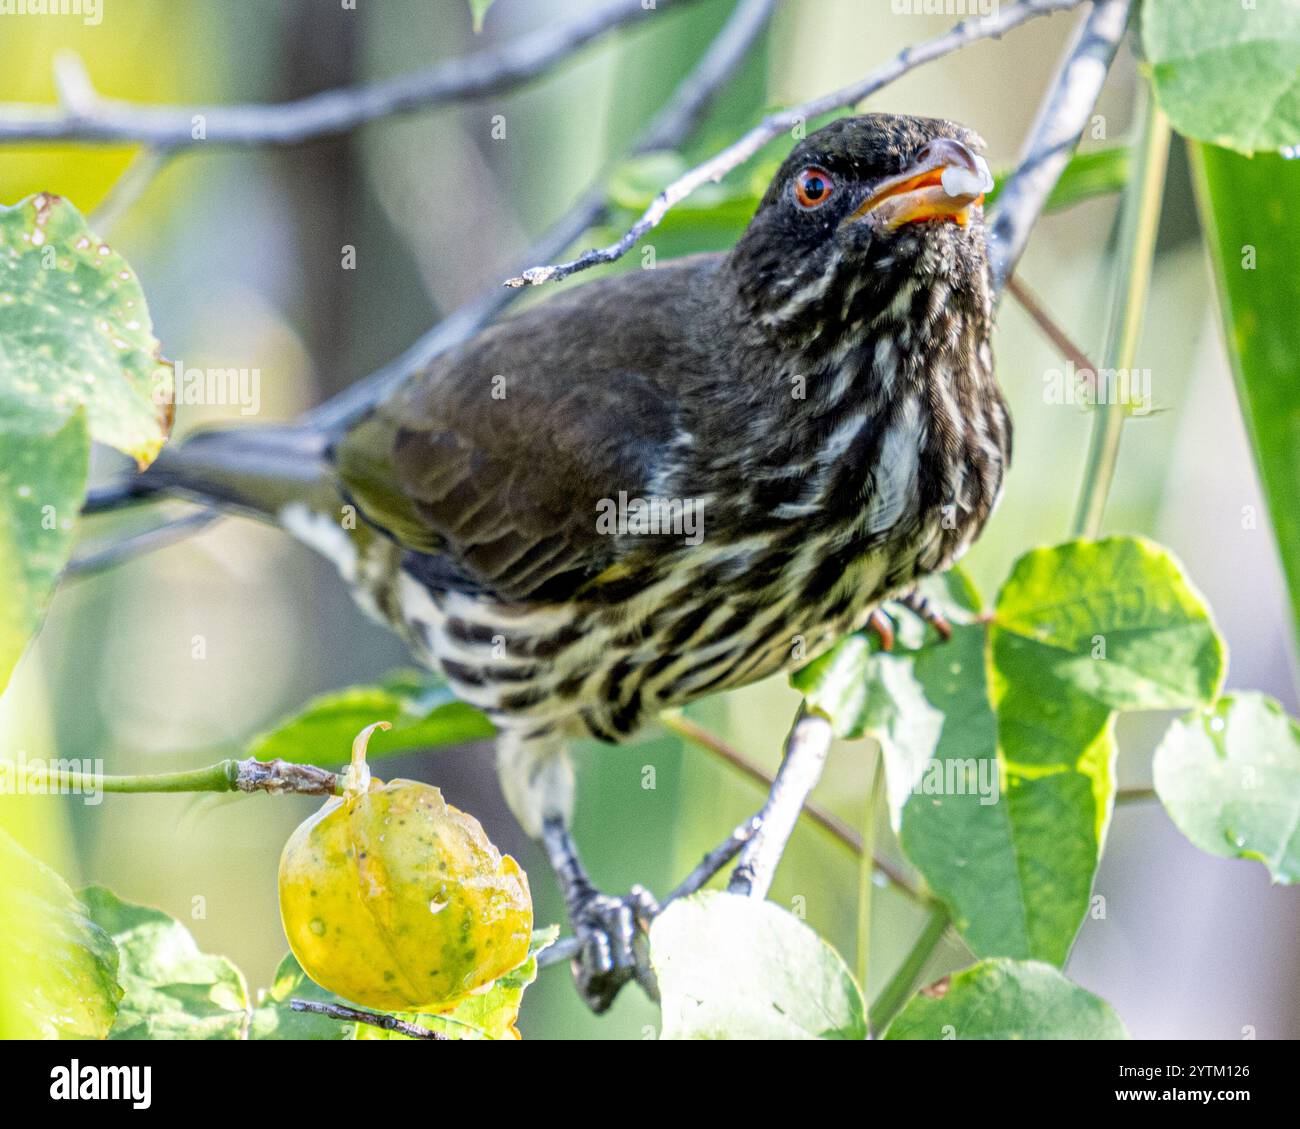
x=957, y=181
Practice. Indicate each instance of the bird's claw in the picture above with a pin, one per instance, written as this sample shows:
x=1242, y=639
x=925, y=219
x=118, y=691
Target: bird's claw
x=614, y=934
x=928, y=611
x=925, y=609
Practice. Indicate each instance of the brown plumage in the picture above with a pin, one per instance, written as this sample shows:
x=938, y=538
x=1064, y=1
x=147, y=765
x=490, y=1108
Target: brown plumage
x=825, y=403
x=820, y=401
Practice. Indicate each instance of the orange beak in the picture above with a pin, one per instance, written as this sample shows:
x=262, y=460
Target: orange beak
x=943, y=183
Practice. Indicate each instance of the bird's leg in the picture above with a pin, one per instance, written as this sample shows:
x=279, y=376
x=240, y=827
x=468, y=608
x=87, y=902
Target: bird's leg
x=612, y=932
x=882, y=626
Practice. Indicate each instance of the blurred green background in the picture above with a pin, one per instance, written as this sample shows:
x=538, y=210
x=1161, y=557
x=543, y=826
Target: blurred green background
x=239, y=252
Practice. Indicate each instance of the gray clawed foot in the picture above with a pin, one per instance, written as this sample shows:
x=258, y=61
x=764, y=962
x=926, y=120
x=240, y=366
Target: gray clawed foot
x=614, y=934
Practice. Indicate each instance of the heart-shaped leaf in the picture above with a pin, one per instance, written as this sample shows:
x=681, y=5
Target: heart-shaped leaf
x=999, y=744
x=1006, y=999
x=1229, y=776
x=1227, y=72
x=731, y=967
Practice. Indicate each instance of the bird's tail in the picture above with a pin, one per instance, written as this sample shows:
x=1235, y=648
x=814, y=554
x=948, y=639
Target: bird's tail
x=254, y=470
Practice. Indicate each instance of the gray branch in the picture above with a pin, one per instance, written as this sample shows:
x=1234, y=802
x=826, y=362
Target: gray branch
x=347, y=1014
x=774, y=125
x=85, y=116
x=1052, y=140
x=670, y=128
x=673, y=124
x=279, y=777
x=805, y=757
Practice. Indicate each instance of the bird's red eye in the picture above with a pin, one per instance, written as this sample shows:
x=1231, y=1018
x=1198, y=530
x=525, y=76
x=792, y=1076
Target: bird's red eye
x=813, y=187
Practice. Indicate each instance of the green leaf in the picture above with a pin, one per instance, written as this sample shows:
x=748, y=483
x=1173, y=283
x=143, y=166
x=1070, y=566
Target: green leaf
x=43, y=467
x=423, y=711
x=1115, y=619
x=728, y=205
x=1225, y=72
x=1005, y=999
x=1012, y=860
x=1247, y=209
x=58, y=969
x=77, y=332
x=731, y=967
x=999, y=744
x=1229, y=776
x=173, y=991
x=479, y=9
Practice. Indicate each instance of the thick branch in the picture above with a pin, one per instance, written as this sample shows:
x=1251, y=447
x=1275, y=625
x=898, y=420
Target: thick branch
x=773, y=126
x=1064, y=115
x=86, y=116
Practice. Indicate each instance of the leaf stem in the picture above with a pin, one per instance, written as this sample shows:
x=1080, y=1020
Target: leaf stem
x=224, y=776
x=894, y=994
x=1139, y=225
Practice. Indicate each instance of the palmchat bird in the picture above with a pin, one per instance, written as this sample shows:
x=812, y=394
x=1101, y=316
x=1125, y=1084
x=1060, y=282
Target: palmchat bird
x=814, y=410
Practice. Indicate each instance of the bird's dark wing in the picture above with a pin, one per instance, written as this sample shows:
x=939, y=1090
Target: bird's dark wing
x=492, y=463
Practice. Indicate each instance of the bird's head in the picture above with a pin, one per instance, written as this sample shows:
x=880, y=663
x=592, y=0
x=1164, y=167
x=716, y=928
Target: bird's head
x=869, y=214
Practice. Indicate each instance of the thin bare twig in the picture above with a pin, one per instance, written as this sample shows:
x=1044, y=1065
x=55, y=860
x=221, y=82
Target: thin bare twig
x=86, y=116
x=773, y=126
x=806, y=750
x=1038, y=314
x=673, y=124
x=129, y=187
x=347, y=1014
x=92, y=562
x=1061, y=121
